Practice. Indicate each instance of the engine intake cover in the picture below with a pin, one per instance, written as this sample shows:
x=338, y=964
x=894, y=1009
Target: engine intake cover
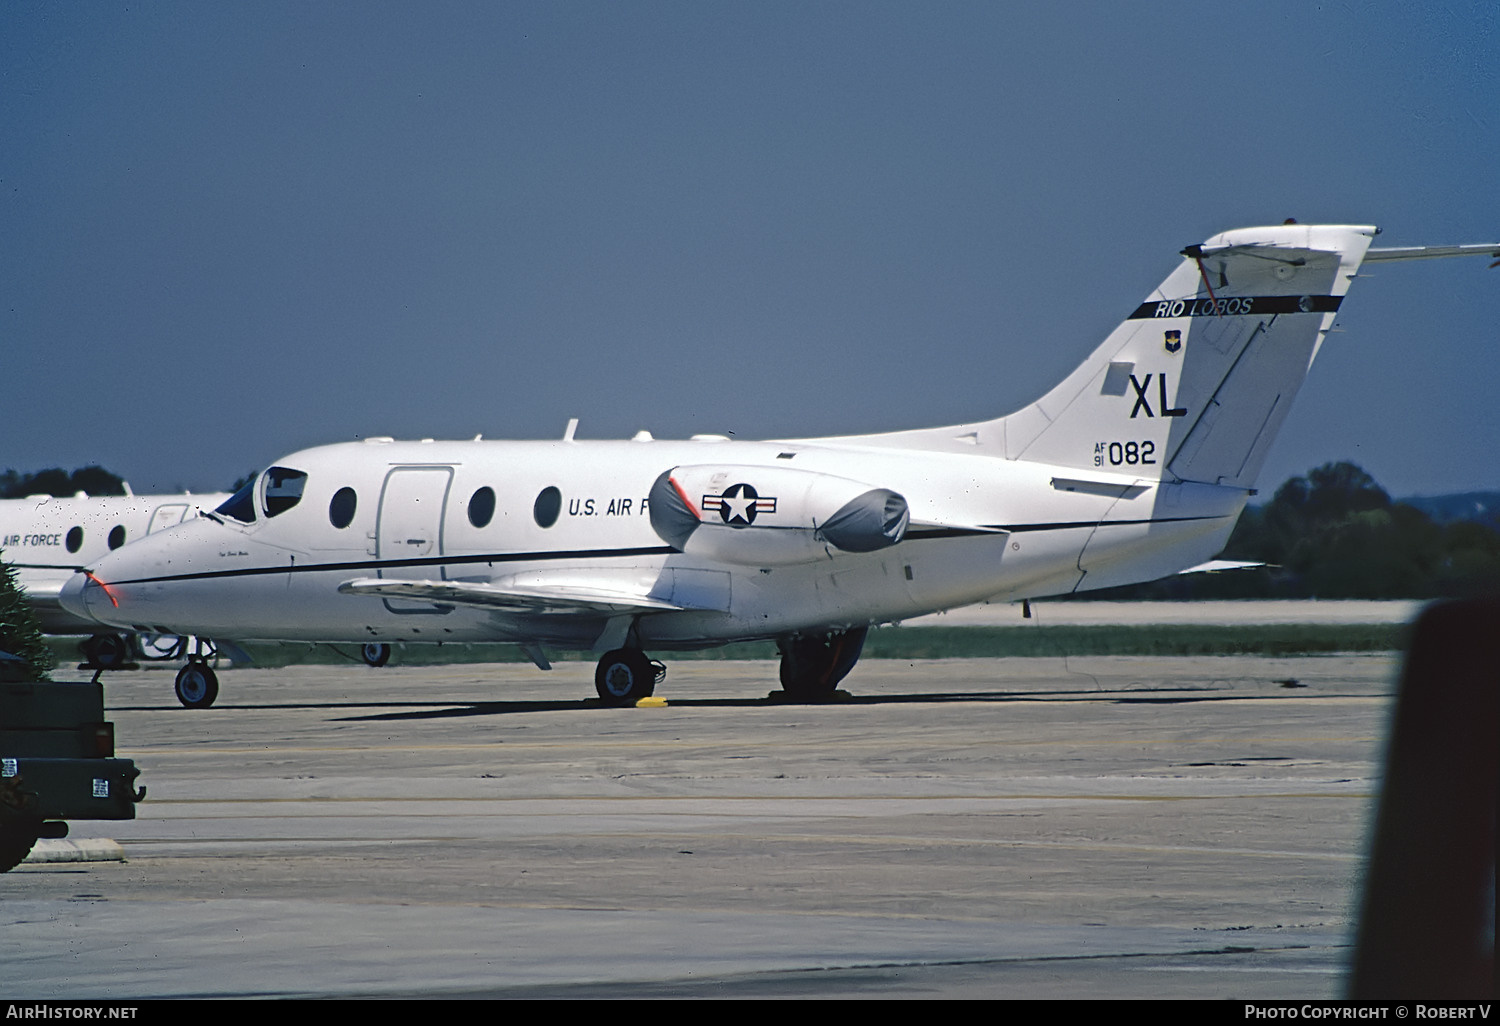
x=769, y=516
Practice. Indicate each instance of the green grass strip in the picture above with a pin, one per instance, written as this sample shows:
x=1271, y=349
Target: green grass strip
x=1154, y=640
x=918, y=643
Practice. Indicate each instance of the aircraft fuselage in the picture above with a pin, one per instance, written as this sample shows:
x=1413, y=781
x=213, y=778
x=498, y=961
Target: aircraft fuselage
x=565, y=511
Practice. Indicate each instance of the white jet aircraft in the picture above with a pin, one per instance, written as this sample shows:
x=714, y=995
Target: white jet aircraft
x=47, y=539
x=1133, y=468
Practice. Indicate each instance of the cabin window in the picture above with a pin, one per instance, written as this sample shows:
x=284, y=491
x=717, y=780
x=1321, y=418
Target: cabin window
x=341, y=508
x=482, y=507
x=117, y=536
x=241, y=505
x=283, y=490
x=548, y=506
x=75, y=539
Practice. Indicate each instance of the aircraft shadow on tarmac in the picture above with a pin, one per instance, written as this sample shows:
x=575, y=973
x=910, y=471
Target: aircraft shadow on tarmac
x=427, y=710
x=438, y=709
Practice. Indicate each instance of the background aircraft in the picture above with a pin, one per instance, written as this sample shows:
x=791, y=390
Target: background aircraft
x=47, y=538
x=1135, y=466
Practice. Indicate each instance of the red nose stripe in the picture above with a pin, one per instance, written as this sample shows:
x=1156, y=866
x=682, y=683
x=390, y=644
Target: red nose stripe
x=108, y=594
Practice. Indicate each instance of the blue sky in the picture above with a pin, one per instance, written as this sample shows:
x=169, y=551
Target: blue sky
x=228, y=231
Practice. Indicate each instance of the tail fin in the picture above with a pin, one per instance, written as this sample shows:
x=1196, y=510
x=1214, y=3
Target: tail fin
x=1199, y=378
x=1195, y=382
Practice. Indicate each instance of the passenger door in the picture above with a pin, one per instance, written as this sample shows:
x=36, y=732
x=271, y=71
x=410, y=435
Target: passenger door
x=410, y=528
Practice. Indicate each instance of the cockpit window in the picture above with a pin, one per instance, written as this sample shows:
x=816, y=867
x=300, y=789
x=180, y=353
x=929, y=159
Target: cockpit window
x=241, y=505
x=283, y=489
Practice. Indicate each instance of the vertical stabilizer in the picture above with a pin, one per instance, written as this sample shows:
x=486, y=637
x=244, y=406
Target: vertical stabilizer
x=1195, y=382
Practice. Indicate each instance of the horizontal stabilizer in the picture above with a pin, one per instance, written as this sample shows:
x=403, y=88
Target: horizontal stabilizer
x=1490, y=249
x=530, y=599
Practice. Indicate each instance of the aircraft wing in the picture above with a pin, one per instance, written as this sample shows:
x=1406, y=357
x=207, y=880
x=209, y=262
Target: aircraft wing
x=921, y=529
x=1214, y=566
x=43, y=591
x=540, y=598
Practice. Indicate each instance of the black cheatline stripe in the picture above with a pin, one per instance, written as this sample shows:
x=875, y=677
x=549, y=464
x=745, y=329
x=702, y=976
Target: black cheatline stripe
x=1066, y=525
x=644, y=550
x=386, y=564
x=925, y=534
x=1234, y=306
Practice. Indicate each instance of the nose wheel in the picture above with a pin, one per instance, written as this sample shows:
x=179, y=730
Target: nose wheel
x=197, y=685
x=375, y=654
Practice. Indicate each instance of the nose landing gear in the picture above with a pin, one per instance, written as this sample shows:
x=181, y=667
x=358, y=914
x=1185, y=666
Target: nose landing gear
x=197, y=684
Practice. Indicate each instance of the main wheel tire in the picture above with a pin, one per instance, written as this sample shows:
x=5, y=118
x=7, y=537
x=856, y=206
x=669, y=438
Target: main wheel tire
x=625, y=676
x=197, y=685
x=813, y=667
x=375, y=654
x=107, y=651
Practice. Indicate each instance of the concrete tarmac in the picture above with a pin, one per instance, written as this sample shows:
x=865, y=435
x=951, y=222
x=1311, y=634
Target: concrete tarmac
x=1102, y=827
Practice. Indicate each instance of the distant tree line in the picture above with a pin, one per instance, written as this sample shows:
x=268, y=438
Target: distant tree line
x=59, y=482
x=1335, y=533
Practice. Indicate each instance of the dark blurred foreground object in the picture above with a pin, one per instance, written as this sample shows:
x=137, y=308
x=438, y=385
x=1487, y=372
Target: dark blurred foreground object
x=57, y=763
x=1427, y=929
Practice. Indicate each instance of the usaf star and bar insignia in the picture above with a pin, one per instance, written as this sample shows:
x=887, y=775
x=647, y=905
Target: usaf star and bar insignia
x=739, y=505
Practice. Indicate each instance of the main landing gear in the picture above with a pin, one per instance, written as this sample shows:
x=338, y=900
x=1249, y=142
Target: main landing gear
x=627, y=675
x=107, y=652
x=813, y=666
x=375, y=654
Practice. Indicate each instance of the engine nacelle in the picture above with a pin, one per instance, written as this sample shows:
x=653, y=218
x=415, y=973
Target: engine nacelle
x=772, y=516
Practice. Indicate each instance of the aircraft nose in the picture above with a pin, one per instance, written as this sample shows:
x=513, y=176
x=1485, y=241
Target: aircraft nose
x=79, y=596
